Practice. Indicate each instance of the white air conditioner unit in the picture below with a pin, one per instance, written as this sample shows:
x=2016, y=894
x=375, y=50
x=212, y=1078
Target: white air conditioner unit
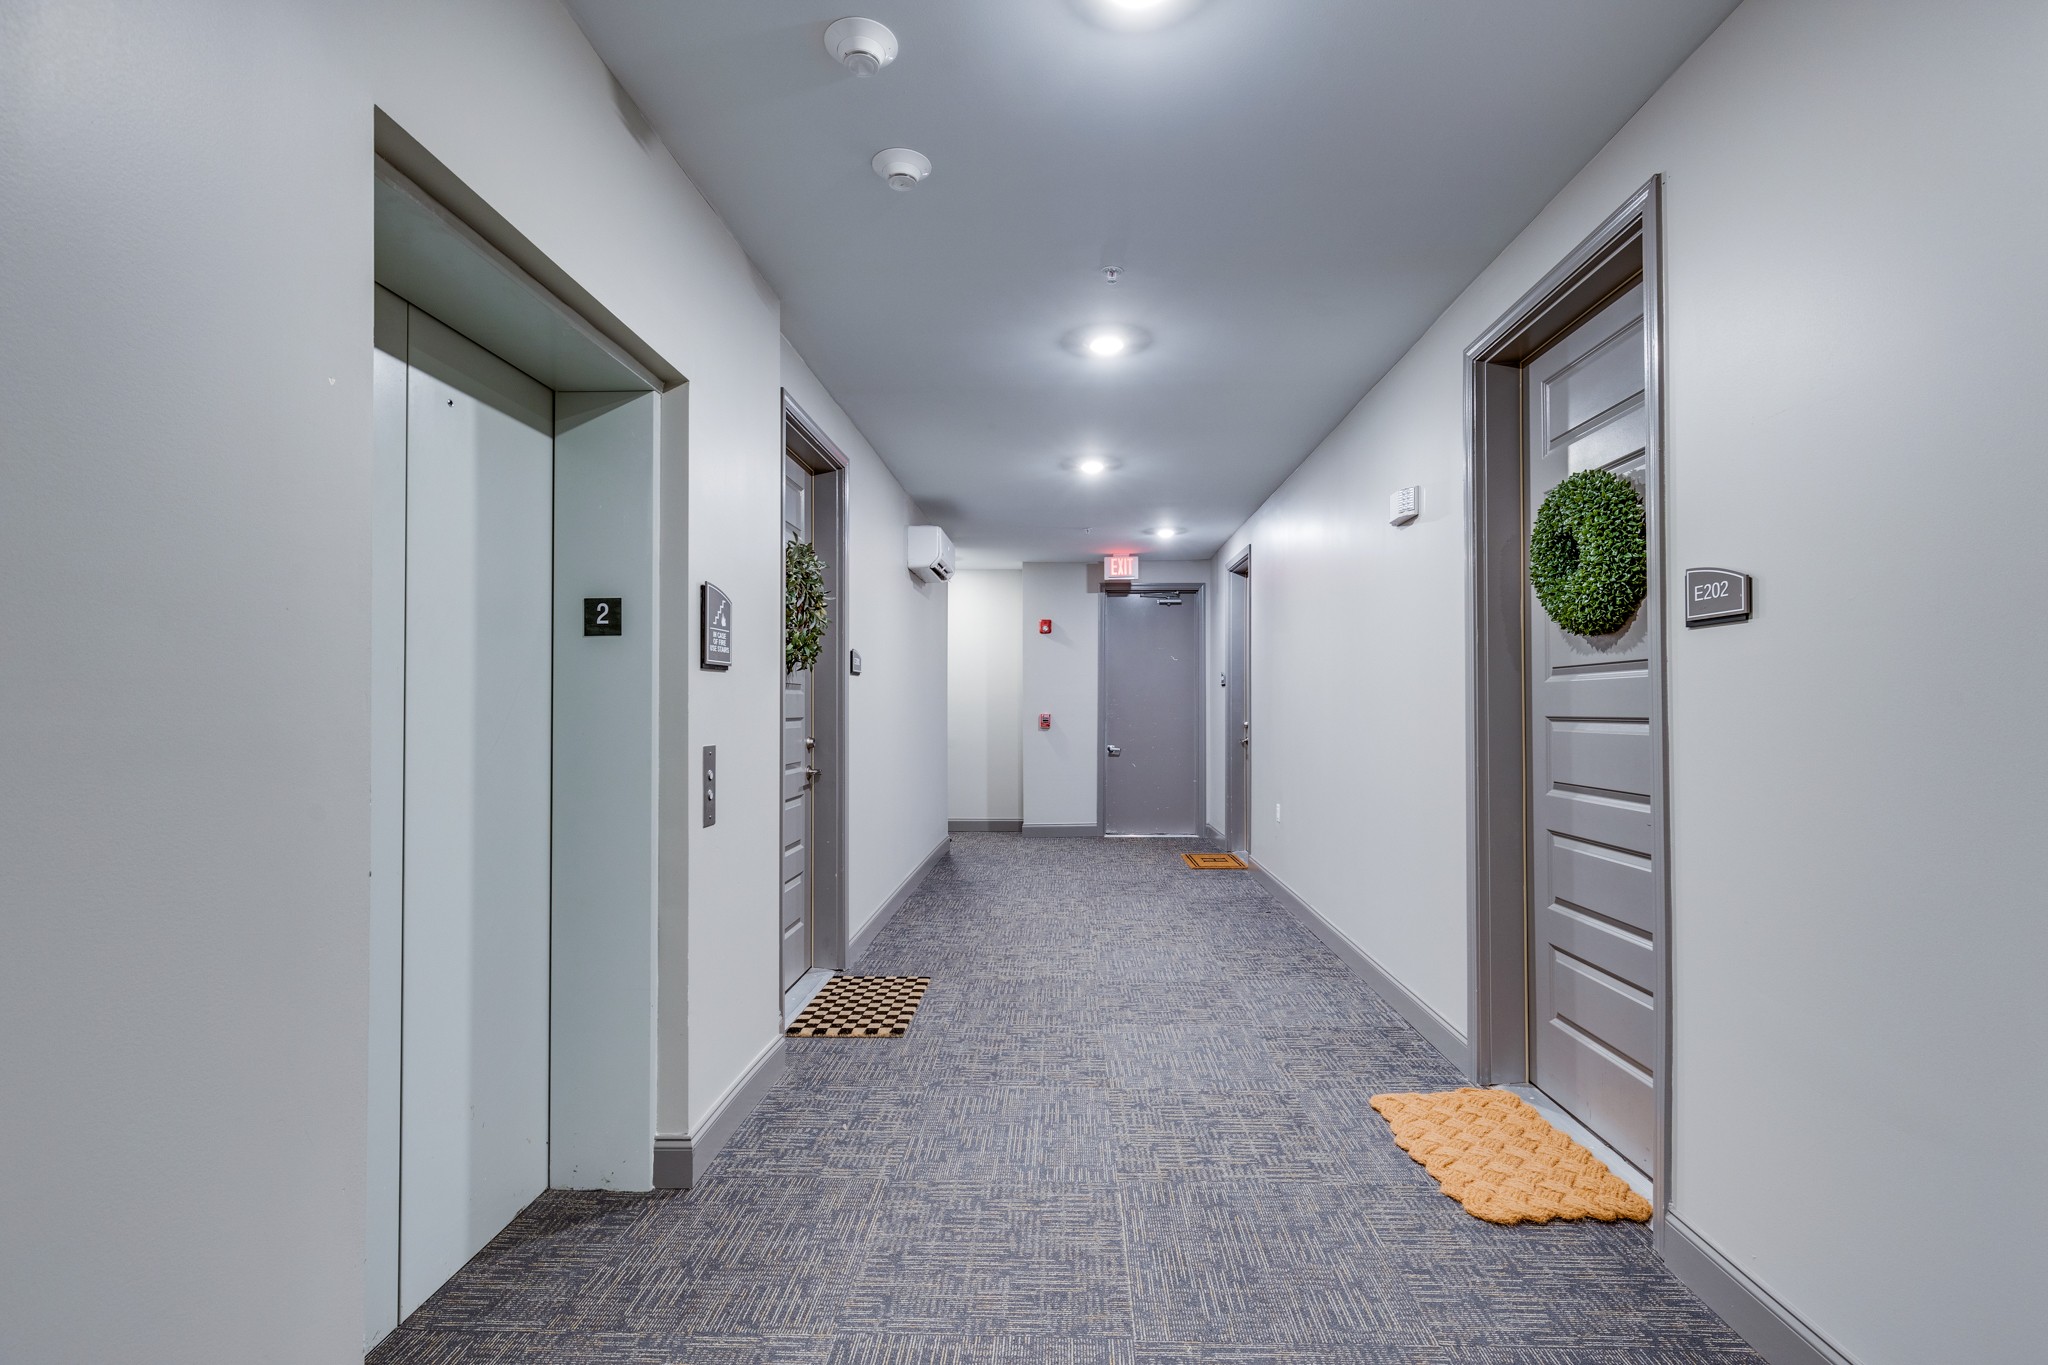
x=931, y=554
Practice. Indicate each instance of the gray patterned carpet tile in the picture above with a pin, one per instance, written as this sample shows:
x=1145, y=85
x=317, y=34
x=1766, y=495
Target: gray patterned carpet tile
x=1128, y=1127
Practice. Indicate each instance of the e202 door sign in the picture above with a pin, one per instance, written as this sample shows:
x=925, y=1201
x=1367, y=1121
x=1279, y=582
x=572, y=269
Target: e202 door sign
x=717, y=618
x=1716, y=596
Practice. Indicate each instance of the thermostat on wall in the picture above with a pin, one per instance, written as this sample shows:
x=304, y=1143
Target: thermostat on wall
x=1405, y=505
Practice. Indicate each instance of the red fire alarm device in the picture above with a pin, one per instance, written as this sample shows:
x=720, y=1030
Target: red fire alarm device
x=1045, y=720
x=1045, y=626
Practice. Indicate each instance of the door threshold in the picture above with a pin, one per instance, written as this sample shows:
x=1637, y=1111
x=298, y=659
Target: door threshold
x=1581, y=1134
x=803, y=992
x=1151, y=836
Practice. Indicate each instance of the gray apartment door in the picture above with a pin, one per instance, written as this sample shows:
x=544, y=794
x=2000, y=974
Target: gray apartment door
x=1593, y=740
x=798, y=744
x=1151, y=714
x=1237, y=708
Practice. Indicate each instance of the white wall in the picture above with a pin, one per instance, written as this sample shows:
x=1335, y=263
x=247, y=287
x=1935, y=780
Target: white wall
x=984, y=677
x=1060, y=676
x=1853, y=217
x=184, y=537
x=896, y=750
x=184, y=704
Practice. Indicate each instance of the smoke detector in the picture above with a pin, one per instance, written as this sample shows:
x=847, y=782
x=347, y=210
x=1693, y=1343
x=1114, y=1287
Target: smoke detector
x=861, y=45
x=901, y=167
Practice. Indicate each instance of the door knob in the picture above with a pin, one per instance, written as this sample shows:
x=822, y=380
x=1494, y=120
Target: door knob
x=810, y=774
x=1116, y=751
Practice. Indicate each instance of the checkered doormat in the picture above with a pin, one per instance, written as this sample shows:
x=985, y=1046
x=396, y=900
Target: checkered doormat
x=861, y=1007
x=1214, y=862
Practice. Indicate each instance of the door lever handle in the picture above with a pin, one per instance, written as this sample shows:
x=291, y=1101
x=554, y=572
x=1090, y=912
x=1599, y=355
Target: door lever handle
x=1116, y=751
x=810, y=774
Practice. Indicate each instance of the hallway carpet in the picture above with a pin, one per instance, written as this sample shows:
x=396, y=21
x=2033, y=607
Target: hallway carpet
x=1130, y=1124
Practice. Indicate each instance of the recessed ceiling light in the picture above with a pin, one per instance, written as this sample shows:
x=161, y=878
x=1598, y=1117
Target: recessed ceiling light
x=1137, y=14
x=1106, y=341
x=1093, y=467
x=1166, y=532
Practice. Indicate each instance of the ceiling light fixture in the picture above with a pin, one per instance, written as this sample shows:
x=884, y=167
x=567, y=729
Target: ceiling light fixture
x=1166, y=532
x=1092, y=467
x=1107, y=340
x=1131, y=15
x=901, y=167
x=862, y=45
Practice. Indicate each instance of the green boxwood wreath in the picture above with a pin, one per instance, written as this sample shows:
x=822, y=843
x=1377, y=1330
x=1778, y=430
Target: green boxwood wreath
x=805, y=611
x=1588, y=555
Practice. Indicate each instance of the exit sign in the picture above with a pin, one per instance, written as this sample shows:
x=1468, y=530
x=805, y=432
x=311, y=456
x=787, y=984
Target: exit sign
x=1120, y=568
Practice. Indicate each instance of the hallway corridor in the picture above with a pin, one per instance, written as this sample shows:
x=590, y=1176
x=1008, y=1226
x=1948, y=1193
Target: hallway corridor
x=1129, y=1124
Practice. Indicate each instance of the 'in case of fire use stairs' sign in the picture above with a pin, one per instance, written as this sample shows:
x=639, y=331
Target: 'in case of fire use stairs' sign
x=717, y=617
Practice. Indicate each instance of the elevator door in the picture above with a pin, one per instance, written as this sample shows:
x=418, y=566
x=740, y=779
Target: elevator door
x=1151, y=693
x=1594, y=803
x=477, y=472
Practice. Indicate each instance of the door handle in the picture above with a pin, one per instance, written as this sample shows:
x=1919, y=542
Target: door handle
x=810, y=774
x=1116, y=751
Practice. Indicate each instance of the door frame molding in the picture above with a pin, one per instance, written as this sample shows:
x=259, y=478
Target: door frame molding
x=1201, y=602
x=1627, y=246
x=806, y=442
x=1237, y=645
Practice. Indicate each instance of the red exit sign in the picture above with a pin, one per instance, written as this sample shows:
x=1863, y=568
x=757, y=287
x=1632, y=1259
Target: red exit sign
x=1120, y=568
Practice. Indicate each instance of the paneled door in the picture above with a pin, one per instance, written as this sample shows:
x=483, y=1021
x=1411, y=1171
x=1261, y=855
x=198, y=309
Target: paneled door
x=1594, y=803
x=1151, y=717
x=1237, y=709
x=799, y=744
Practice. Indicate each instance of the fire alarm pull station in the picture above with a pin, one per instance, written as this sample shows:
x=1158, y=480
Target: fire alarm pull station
x=1045, y=720
x=1045, y=625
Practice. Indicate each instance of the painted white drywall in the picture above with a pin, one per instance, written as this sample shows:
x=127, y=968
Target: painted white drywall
x=896, y=745
x=601, y=1073
x=1853, y=213
x=984, y=677
x=184, y=702
x=185, y=513
x=1060, y=677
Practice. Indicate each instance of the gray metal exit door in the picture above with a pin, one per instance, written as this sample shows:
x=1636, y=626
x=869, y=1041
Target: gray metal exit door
x=798, y=744
x=1151, y=713
x=1595, y=803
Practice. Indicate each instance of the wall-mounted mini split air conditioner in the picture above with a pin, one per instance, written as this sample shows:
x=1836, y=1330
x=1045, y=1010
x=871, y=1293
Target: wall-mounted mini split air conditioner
x=931, y=554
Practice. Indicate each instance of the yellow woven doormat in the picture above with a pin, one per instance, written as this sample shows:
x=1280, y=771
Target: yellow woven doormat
x=1499, y=1158
x=861, y=1007
x=1214, y=862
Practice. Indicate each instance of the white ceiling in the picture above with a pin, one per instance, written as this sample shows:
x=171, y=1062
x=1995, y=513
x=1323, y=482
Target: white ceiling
x=1294, y=189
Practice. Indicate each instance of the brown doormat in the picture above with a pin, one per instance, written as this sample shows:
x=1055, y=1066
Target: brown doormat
x=1214, y=862
x=1499, y=1158
x=861, y=1007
